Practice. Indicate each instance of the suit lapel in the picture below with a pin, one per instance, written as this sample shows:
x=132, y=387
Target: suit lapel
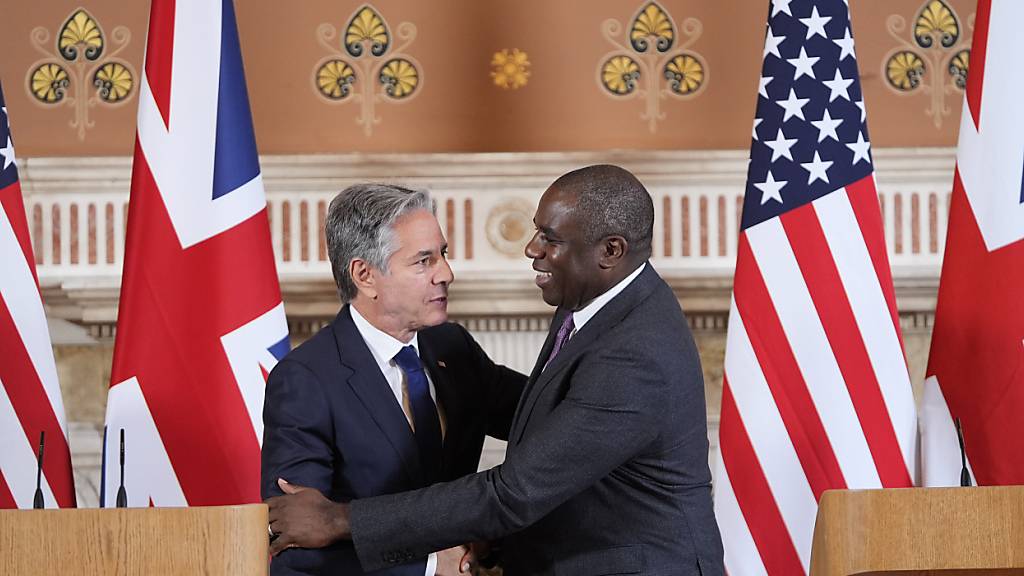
x=545, y=351
x=447, y=395
x=369, y=385
x=610, y=315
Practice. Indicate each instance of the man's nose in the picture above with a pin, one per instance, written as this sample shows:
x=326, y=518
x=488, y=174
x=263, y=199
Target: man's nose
x=532, y=249
x=445, y=275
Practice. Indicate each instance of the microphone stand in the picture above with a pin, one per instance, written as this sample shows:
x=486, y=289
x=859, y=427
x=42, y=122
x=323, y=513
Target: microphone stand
x=37, y=499
x=965, y=475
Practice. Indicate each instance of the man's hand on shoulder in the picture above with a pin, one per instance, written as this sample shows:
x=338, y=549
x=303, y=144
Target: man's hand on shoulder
x=305, y=518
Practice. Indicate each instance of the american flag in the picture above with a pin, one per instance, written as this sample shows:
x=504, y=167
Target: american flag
x=816, y=393
x=30, y=400
x=201, y=322
x=975, y=365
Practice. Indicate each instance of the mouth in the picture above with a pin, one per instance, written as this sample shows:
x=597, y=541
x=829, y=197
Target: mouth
x=543, y=278
x=440, y=301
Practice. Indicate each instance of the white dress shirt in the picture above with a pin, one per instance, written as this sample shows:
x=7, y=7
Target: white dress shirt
x=384, y=347
x=583, y=315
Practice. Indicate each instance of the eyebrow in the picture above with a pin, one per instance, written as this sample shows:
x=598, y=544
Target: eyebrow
x=423, y=253
x=548, y=231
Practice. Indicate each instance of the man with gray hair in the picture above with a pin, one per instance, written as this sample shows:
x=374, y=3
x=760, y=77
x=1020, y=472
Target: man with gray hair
x=390, y=396
x=606, y=470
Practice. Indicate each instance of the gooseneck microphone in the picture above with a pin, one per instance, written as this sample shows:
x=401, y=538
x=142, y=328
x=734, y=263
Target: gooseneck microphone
x=122, y=494
x=37, y=500
x=965, y=475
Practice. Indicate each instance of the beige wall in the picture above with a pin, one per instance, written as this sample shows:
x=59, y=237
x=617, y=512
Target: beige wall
x=457, y=107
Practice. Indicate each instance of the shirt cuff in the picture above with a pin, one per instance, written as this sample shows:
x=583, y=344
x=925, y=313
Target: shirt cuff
x=431, y=564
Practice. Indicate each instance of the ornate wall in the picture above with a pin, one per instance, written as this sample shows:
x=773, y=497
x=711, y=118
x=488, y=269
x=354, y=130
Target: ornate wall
x=484, y=103
x=461, y=76
x=485, y=202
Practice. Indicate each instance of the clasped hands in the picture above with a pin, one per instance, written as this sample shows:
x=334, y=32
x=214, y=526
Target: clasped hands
x=305, y=518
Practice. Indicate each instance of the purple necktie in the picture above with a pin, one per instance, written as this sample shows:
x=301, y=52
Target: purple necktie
x=561, y=338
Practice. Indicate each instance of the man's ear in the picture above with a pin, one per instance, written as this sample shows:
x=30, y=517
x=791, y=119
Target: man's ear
x=362, y=276
x=613, y=251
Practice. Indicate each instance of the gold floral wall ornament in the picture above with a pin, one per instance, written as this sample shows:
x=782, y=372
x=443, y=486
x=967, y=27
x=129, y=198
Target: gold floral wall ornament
x=647, y=63
x=367, y=66
x=933, y=60
x=510, y=69
x=76, y=72
x=958, y=67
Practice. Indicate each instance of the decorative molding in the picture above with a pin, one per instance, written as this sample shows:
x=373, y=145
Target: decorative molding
x=494, y=294
x=74, y=74
x=77, y=208
x=644, y=56
x=368, y=67
x=506, y=323
x=511, y=330
x=319, y=172
x=509, y=226
x=510, y=69
x=934, y=60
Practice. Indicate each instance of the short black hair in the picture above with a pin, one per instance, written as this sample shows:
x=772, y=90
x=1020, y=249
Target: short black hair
x=610, y=201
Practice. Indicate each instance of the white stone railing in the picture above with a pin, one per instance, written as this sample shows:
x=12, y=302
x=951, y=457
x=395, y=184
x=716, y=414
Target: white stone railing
x=77, y=207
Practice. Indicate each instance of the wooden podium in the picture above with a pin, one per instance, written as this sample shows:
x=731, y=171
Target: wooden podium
x=920, y=531
x=211, y=541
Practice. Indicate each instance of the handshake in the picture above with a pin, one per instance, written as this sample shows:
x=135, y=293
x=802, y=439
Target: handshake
x=307, y=519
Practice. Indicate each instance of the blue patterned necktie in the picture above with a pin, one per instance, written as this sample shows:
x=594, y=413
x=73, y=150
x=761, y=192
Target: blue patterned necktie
x=424, y=412
x=561, y=338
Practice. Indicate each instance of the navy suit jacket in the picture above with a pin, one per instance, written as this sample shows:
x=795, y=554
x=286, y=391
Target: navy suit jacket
x=331, y=422
x=607, y=464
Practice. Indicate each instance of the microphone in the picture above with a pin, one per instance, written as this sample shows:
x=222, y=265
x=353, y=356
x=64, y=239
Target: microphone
x=122, y=495
x=965, y=476
x=37, y=499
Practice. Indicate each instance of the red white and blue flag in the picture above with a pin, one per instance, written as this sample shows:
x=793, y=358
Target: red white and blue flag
x=201, y=320
x=816, y=389
x=976, y=365
x=30, y=400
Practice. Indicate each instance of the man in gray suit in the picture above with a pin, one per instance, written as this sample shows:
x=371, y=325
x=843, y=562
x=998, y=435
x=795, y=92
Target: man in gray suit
x=606, y=470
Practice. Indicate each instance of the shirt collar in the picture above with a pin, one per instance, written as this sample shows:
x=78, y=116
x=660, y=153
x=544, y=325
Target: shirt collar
x=583, y=315
x=382, y=345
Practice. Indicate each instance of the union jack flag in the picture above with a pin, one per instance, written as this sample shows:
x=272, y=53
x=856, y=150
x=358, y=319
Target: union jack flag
x=976, y=365
x=816, y=392
x=201, y=322
x=30, y=400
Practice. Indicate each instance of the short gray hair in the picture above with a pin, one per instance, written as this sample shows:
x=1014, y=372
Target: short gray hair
x=361, y=224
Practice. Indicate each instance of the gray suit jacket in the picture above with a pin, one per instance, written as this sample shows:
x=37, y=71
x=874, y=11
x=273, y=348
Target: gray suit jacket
x=606, y=470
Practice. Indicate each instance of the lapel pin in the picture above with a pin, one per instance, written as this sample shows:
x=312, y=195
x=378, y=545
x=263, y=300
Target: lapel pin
x=442, y=364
